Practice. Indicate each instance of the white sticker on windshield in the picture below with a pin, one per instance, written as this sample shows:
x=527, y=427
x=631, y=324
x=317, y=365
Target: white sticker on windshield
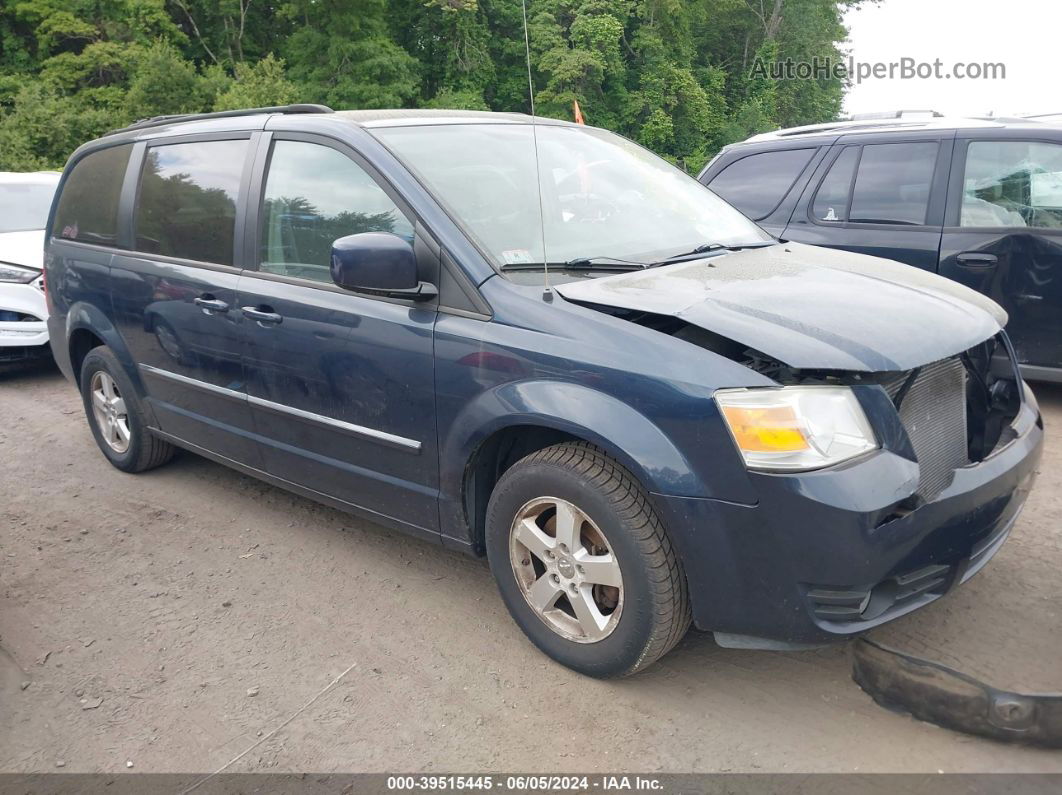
x=517, y=256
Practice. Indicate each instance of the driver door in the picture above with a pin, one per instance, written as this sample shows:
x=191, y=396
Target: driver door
x=341, y=385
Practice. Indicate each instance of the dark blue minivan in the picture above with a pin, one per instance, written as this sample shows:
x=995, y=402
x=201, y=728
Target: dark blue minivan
x=542, y=343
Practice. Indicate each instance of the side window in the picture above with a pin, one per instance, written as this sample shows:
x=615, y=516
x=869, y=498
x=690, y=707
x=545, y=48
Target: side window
x=757, y=184
x=893, y=184
x=88, y=205
x=1012, y=183
x=313, y=195
x=187, y=202
x=831, y=199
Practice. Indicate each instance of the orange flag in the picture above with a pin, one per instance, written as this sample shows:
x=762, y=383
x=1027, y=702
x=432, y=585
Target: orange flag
x=577, y=112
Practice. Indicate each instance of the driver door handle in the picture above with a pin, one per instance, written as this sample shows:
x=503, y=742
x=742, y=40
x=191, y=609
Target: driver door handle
x=210, y=303
x=977, y=259
x=261, y=314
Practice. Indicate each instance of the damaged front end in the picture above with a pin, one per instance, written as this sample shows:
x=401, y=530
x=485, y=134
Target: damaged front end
x=831, y=551
x=954, y=412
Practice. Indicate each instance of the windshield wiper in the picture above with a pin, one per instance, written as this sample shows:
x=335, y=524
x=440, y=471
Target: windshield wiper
x=581, y=263
x=708, y=248
x=604, y=261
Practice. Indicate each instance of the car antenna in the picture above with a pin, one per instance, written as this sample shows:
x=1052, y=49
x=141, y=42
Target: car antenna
x=547, y=293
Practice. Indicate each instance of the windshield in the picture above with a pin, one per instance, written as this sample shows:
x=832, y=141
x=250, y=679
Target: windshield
x=602, y=195
x=24, y=206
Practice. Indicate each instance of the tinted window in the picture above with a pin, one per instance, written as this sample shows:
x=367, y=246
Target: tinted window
x=892, y=186
x=187, y=202
x=757, y=184
x=314, y=195
x=88, y=205
x=1013, y=183
x=831, y=199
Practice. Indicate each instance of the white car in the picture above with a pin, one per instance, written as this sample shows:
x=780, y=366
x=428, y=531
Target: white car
x=24, y=203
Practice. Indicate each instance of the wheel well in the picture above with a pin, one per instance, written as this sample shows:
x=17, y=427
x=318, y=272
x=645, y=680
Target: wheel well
x=490, y=461
x=81, y=342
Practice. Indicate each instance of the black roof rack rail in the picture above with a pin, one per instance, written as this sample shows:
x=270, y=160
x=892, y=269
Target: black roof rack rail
x=158, y=121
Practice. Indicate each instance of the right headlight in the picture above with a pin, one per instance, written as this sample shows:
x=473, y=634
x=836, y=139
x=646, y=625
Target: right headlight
x=18, y=274
x=796, y=428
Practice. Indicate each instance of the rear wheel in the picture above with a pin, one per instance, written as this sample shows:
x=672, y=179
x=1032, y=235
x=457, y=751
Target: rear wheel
x=583, y=562
x=116, y=417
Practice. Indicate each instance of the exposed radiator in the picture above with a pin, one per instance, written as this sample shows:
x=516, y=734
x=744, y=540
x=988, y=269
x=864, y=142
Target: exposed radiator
x=934, y=413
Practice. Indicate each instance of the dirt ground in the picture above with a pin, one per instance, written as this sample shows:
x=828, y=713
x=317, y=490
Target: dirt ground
x=192, y=618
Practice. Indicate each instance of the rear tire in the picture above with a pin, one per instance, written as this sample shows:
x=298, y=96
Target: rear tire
x=116, y=416
x=583, y=563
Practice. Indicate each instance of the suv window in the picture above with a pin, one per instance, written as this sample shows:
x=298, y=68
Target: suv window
x=1012, y=183
x=313, y=195
x=757, y=184
x=187, y=202
x=892, y=184
x=831, y=199
x=88, y=206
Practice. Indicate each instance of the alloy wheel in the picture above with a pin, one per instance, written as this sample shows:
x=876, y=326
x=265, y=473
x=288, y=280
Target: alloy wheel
x=566, y=569
x=109, y=409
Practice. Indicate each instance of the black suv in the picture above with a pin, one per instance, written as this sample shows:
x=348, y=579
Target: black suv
x=976, y=200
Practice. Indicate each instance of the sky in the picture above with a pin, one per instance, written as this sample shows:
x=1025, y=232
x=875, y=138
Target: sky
x=1021, y=34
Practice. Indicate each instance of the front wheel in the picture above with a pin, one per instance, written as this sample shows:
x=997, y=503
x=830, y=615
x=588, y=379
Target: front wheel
x=583, y=562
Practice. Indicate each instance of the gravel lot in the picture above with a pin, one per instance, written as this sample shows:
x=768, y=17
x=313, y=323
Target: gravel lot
x=176, y=619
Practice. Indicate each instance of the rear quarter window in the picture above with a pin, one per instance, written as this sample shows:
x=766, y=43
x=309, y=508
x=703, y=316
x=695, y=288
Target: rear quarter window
x=88, y=204
x=756, y=184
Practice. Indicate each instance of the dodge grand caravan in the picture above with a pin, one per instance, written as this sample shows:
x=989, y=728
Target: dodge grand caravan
x=679, y=419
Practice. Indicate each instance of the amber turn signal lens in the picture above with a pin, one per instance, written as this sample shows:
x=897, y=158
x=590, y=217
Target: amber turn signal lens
x=796, y=428
x=774, y=429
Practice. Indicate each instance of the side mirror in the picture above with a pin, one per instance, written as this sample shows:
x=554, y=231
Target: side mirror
x=378, y=263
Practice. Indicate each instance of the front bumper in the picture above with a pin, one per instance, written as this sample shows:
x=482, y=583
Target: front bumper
x=26, y=300
x=933, y=692
x=827, y=555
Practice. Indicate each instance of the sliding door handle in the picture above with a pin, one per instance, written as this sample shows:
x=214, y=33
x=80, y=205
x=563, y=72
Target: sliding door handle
x=261, y=314
x=211, y=304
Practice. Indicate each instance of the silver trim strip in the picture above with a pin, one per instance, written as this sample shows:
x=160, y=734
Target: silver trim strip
x=194, y=382
x=357, y=430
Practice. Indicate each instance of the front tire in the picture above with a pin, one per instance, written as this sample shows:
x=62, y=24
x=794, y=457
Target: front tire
x=116, y=416
x=583, y=563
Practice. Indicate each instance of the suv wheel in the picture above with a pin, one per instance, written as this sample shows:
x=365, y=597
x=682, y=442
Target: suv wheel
x=116, y=417
x=583, y=563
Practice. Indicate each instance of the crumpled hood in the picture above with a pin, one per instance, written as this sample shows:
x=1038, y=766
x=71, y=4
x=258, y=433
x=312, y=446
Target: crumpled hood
x=810, y=307
x=23, y=248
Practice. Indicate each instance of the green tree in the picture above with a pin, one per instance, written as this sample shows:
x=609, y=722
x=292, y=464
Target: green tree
x=676, y=75
x=163, y=82
x=257, y=85
x=341, y=54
